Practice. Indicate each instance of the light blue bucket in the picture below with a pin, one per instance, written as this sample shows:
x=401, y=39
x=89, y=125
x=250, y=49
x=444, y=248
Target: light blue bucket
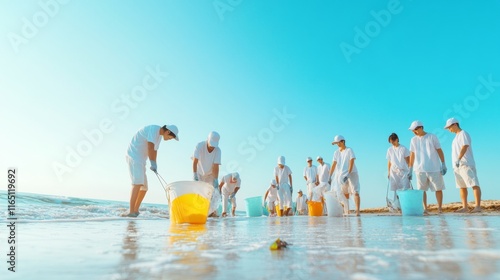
x=254, y=206
x=411, y=202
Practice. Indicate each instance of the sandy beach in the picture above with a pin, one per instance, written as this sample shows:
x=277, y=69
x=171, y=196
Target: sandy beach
x=490, y=207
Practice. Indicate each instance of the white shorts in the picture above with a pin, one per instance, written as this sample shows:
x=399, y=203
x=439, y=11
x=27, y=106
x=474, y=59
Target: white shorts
x=399, y=180
x=430, y=180
x=137, y=171
x=466, y=177
x=271, y=204
x=352, y=184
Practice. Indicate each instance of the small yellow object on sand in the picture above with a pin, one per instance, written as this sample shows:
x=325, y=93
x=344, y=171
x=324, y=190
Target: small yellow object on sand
x=278, y=244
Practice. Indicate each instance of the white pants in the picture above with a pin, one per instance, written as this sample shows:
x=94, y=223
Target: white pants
x=285, y=196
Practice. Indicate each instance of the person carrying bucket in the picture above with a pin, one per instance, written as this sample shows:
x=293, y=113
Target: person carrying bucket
x=206, y=161
x=229, y=186
x=398, y=157
x=465, y=166
x=324, y=181
x=272, y=196
x=144, y=145
x=427, y=161
x=311, y=176
x=283, y=176
x=346, y=173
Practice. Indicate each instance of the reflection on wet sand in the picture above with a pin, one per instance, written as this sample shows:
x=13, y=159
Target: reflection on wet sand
x=479, y=237
x=127, y=269
x=186, y=244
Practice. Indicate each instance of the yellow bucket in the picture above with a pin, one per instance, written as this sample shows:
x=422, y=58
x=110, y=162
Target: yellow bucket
x=189, y=201
x=315, y=208
x=278, y=213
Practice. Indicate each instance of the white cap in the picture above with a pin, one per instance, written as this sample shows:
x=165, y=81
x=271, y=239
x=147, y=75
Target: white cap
x=235, y=176
x=337, y=139
x=213, y=139
x=174, y=130
x=273, y=182
x=308, y=159
x=415, y=124
x=281, y=160
x=319, y=157
x=450, y=122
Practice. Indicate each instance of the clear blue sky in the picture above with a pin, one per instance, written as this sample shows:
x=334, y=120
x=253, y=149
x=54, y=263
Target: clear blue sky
x=272, y=78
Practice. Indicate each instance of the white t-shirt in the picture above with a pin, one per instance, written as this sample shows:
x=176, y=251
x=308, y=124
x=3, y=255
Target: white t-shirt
x=343, y=158
x=301, y=202
x=310, y=173
x=138, y=147
x=426, y=156
x=228, y=187
x=282, y=174
x=206, y=160
x=324, y=172
x=396, y=156
x=462, y=139
x=272, y=194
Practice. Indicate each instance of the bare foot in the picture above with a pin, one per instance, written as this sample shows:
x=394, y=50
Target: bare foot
x=476, y=209
x=224, y=214
x=440, y=211
x=426, y=213
x=462, y=210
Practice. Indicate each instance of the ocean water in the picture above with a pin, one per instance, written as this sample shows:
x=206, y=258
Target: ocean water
x=71, y=238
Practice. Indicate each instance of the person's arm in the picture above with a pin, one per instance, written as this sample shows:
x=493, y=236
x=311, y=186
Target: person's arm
x=151, y=151
x=265, y=196
x=351, y=165
x=277, y=180
x=290, y=177
x=236, y=190
x=462, y=152
x=220, y=185
x=332, y=169
x=441, y=155
x=412, y=160
x=407, y=159
x=215, y=170
x=388, y=169
x=195, y=165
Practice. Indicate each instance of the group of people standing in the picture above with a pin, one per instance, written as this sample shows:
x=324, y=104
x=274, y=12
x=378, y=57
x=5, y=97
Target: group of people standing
x=425, y=159
x=342, y=175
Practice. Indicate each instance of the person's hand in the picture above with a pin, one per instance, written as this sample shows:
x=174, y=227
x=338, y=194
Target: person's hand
x=329, y=181
x=457, y=163
x=231, y=196
x=154, y=166
x=195, y=176
x=410, y=173
x=216, y=183
x=443, y=168
x=291, y=190
x=344, y=180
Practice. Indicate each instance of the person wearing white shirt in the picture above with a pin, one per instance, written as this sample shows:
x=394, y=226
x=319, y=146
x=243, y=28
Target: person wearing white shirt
x=322, y=181
x=346, y=173
x=229, y=186
x=398, y=159
x=465, y=165
x=301, y=203
x=311, y=176
x=283, y=176
x=144, y=145
x=271, y=197
x=427, y=161
x=206, y=161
